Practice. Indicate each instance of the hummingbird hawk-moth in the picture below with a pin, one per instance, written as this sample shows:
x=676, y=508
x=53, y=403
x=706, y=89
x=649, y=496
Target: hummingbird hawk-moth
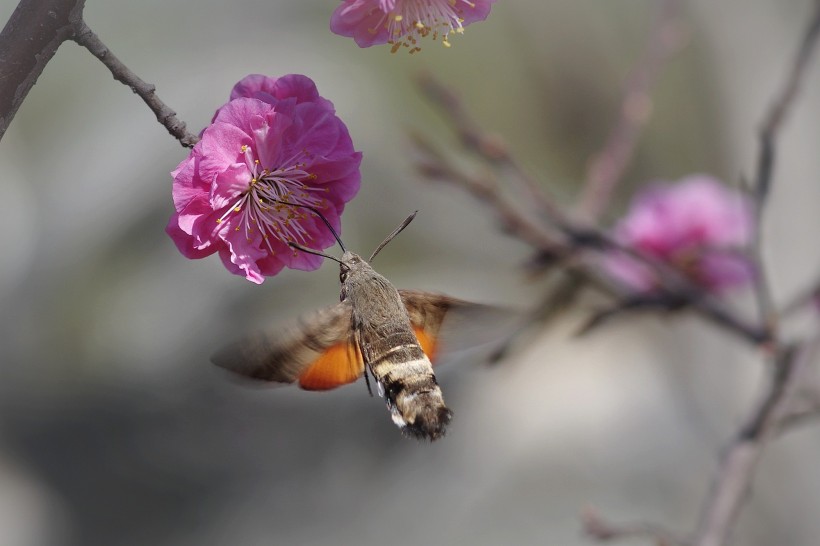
x=392, y=335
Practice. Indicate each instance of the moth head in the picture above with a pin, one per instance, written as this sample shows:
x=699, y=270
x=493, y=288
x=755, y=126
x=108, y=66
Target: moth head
x=348, y=265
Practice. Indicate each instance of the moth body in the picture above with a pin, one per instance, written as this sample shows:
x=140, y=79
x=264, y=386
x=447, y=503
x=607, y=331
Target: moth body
x=392, y=335
x=391, y=350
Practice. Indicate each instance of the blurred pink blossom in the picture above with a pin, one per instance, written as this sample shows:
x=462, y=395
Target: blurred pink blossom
x=276, y=139
x=403, y=22
x=698, y=225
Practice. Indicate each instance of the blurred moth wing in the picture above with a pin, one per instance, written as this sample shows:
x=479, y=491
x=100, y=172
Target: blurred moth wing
x=451, y=326
x=319, y=350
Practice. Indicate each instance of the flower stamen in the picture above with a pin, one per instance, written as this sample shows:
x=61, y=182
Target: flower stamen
x=263, y=202
x=423, y=18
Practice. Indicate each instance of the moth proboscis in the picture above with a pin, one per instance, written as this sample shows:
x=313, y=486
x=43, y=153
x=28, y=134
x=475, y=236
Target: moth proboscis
x=393, y=335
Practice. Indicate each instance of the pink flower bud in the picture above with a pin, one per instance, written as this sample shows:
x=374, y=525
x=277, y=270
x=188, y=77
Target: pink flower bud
x=699, y=226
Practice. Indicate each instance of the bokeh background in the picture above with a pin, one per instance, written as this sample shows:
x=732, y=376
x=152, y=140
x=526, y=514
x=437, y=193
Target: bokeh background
x=114, y=427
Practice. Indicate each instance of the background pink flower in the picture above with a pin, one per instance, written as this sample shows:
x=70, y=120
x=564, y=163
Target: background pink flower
x=276, y=140
x=698, y=225
x=403, y=22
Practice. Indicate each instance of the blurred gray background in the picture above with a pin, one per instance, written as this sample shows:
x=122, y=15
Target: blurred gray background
x=114, y=427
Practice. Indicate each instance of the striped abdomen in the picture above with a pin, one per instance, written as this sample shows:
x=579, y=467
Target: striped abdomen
x=405, y=374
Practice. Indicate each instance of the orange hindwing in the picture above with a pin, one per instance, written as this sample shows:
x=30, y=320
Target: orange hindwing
x=339, y=365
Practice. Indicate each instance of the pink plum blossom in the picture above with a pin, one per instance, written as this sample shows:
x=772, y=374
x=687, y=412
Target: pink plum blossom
x=275, y=140
x=403, y=22
x=698, y=225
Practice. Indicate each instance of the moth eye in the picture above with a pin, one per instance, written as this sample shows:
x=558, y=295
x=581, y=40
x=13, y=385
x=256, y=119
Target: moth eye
x=343, y=276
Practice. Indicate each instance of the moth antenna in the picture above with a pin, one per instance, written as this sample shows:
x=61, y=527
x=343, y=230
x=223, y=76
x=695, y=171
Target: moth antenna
x=313, y=251
x=392, y=235
x=318, y=213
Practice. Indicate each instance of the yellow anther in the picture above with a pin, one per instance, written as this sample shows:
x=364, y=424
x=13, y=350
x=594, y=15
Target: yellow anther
x=398, y=18
x=244, y=148
x=219, y=220
x=419, y=25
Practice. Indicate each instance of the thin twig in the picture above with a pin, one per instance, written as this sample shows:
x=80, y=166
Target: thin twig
x=489, y=147
x=637, y=303
x=730, y=486
x=434, y=165
x=167, y=117
x=604, y=531
x=804, y=410
x=559, y=297
x=800, y=301
x=27, y=43
x=780, y=108
x=766, y=161
x=609, y=165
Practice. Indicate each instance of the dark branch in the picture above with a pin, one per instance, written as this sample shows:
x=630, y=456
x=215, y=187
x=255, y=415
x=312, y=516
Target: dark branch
x=167, y=117
x=27, y=43
x=766, y=162
x=781, y=106
x=637, y=303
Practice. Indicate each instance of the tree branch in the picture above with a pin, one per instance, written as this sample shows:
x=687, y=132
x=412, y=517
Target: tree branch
x=730, y=487
x=766, y=162
x=27, y=43
x=167, y=117
x=781, y=106
x=31, y=38
x=491, y=149
x=562, y=239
